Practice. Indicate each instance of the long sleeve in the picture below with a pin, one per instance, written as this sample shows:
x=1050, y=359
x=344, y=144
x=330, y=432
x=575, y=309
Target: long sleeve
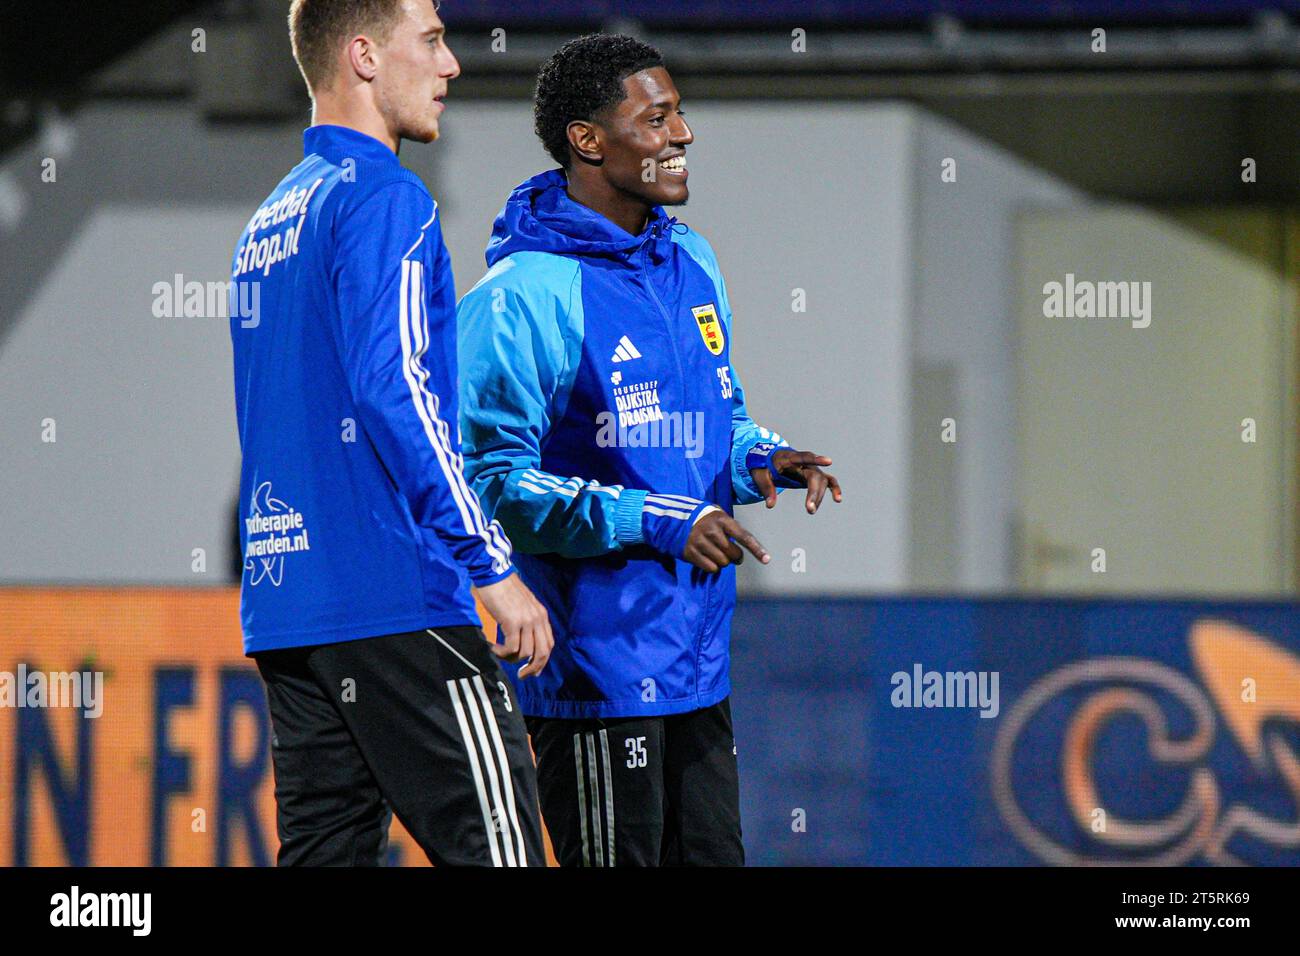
x=519, y=366
x=748, y=437
x=519, y=354
x=396, y=301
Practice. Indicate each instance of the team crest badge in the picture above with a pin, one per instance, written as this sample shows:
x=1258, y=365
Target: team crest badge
x=706, y=318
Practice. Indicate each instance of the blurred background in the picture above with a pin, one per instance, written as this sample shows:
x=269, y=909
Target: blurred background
x=1086, y=502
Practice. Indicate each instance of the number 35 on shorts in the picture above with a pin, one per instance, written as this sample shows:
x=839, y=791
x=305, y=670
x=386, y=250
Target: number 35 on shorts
x=636, y=752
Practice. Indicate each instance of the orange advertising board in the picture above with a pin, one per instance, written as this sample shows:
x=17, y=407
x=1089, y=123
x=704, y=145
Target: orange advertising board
x=175, y=770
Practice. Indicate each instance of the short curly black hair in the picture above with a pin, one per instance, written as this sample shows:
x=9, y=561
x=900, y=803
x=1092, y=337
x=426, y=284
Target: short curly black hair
x=582, y=78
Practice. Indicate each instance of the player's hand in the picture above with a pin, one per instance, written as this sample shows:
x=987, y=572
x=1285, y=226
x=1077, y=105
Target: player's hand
x=522, y=624
x=803, y=467
x=711, y=547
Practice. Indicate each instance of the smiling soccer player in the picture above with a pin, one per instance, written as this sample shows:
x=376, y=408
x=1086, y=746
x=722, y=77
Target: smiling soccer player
x=606, y=429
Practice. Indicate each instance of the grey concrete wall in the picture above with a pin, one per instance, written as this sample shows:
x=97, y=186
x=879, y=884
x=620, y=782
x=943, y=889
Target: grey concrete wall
x=964, y=325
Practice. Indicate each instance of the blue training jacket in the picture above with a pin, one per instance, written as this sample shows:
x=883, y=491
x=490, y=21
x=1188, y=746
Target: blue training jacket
x=356, y=518
x=601, y=417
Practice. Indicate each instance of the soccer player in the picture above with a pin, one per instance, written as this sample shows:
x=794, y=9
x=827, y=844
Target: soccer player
x=360, y=535
x=605, y=428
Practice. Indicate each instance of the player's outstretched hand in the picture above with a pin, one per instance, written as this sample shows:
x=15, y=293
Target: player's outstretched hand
x=715, y=542
x=804, y=467
x=522, y=624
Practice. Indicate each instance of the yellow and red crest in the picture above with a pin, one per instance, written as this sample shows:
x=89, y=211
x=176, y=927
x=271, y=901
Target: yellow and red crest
x=706, y=318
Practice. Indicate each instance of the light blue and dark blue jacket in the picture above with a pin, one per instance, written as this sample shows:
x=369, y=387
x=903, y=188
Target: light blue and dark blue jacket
x=601, y=417
x=356, y=517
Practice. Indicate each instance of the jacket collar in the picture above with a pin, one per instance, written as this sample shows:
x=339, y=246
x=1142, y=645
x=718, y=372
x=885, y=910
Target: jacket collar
x=336, y=143
x=540, y=216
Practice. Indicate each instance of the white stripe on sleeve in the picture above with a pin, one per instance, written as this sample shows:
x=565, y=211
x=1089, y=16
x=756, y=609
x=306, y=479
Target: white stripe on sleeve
x=411, y=312
x=663, y=512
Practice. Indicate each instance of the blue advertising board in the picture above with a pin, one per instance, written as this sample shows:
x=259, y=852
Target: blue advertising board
x=962, y=732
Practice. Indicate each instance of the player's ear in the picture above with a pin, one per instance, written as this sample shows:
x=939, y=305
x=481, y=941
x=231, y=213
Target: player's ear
x=584, y=138
x=361, y=57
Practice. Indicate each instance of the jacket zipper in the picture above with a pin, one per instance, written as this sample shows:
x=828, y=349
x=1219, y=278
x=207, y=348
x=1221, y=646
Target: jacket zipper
x=672, y=341
x=699, y=478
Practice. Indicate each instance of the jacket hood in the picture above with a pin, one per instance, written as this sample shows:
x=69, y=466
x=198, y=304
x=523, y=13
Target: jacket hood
x=539, y=216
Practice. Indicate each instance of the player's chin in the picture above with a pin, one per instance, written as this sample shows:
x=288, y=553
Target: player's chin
x=424, y=132
x=672, y=194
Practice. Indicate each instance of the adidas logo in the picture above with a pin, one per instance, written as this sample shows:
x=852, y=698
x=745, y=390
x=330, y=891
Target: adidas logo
x=626, y=351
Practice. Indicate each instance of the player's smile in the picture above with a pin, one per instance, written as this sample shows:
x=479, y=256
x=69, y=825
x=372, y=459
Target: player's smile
x=674, y=165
